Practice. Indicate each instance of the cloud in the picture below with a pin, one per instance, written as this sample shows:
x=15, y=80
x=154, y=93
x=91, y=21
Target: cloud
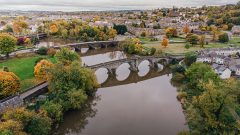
x=103, y=4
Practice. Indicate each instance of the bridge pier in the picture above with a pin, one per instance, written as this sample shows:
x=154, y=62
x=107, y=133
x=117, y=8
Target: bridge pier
x=77, y=49
x=91, y=47
x=133, y=66
x=112, y=72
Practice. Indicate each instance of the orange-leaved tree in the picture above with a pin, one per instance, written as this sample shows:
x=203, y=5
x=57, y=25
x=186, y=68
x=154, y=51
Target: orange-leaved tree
x=165, y=42
x=40, y=70
x=186, y=29
x=9, y=84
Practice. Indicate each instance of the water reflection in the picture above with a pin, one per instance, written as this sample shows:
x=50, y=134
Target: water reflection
x=148, y=107
x=143, y=68
x=101, y=58
x=102, y=75
x=123, y=72
x=76, y=121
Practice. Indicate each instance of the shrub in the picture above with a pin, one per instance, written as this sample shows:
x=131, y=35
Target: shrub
x=9, y=84
x=51, y=52
x=181, y=95
x=42, y=51
x=153, y=50
x=20, y=41
x=6, y=69
x=223, y=38
x=190, y=58
x=178, y=77
x=40, y=70
x=187, y=46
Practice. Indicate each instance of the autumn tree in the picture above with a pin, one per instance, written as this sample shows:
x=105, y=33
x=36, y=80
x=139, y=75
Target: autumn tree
x=40, y=70
x=53, y=29
x=9, y=84
x=171, y=32
x=186, y=29
x=213, y=108
x=71, y=85
x=19, y=26
x=165, y=42
x=192, y=38
x=7, y=43
x=214, y=31
x=225, y=27
x=67, y=56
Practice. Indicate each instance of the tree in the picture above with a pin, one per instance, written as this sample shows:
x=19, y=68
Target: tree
x=171, y=32
x=165, y=42
x=214, y=31
x=192, y=39
x=9, y=84
x=190, y=58
x=40, y=70
x=53, y=29
x=202, y=40
x=197, y=74
x=33, y=123
x=66, y=56
x=121, y=29
x=27, y=42
x=225, y=27
x=186, y=29
x=223, y=38
x=11, y=127
x=7, y=43
x=19, y=26
x=54, y=110
x=212, y=108
x=70, y=85
x=143, y=34
x=112, y=33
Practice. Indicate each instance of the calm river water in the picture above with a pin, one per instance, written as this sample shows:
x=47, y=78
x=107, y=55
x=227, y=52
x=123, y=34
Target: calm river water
x=142, y=103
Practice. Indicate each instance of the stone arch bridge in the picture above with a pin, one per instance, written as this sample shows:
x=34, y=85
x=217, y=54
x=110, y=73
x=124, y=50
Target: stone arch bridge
x=90, y=45
x=134, y=62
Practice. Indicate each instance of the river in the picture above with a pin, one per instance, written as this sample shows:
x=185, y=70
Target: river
x=142, y=103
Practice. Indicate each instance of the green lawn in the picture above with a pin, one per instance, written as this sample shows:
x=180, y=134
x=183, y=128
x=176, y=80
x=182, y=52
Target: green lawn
x=179, y=48
x=23, y=68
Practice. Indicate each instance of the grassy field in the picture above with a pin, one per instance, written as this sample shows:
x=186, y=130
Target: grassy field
x=179, y=48
x=23, y=68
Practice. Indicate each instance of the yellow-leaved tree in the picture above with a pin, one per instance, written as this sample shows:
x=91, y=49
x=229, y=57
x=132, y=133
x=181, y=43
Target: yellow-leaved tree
x=53, y=29
x=9, y=84
x=40, y=70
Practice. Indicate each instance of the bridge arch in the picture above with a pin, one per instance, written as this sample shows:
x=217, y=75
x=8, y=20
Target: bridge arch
x=102, y=75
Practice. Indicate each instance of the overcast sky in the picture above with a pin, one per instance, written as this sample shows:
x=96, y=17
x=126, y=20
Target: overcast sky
x=80, y=5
